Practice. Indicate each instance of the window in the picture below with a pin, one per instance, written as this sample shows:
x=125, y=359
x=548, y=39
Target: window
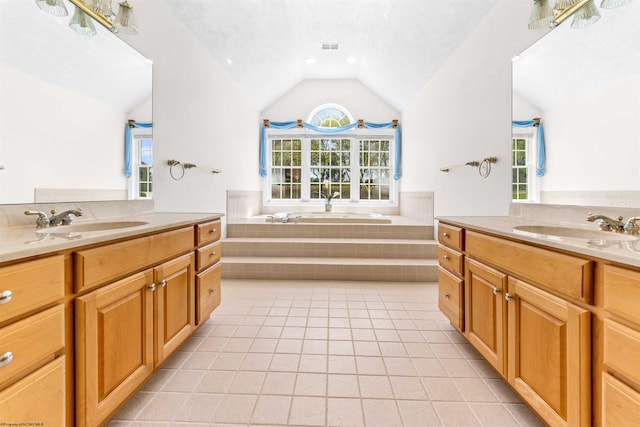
x=357, y=163
x=522, y=167
x=141, y=184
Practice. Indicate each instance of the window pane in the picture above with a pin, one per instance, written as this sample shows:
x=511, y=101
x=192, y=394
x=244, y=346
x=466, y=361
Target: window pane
x=522, y=175
x=315, y=145
x=297, y=145
x=315, y=159
x=521, y=158
x=276, y=159
x=521, y=144
x=286, y=144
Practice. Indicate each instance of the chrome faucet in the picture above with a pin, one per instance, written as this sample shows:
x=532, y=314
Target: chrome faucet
x=63, y=218
x=630, y=227
x=608, y=224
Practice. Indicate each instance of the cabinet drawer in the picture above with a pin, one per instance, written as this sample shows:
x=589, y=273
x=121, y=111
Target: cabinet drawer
x=450, y=297
x=451, y=236
x=620, y=403
x=39, y=397
x=451, y=260
x=30, y=285
x=208, y=255
x=100, y=265
x=566, y=274
x=621, y=351
x=208, y=291
x=207, y=232
x=31, y=341
x=622, y=292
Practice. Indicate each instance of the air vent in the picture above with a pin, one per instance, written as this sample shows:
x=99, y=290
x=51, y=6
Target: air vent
x=330, y=46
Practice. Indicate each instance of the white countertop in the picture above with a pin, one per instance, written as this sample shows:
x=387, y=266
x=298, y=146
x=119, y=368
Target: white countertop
x=23, y=242
x=609, y=248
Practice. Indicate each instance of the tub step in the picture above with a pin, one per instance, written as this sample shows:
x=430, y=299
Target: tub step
x=327, y=248
x=310, y=268
x=331, y=231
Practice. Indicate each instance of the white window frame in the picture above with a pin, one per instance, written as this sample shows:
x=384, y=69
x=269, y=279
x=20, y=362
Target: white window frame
x=137, y=135
x=356, y=135
x=530, y=135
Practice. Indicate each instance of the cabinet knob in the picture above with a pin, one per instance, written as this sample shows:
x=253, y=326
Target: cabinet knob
x=446, y=257
x=5, y=296
x=163, y=283
x=213, y=253
x=496, y=291
x=508, y=296
x=445, y=234
x=212, y=291
x=152, y=287
x=213, y=230
x=445, y=295
x=6, y=358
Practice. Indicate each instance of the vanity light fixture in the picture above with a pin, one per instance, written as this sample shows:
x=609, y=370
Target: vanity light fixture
x=126, y=20
x=81, y=23
x=53, y=7
x=584, y=12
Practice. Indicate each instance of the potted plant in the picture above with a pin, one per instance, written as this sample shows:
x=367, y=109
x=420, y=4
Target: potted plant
x=326, y=194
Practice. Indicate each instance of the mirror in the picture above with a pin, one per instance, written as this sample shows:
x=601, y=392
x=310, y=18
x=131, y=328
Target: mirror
x=585, y=85
x=64, y=102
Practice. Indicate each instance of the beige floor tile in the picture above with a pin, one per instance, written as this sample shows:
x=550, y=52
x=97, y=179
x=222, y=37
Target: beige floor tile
x=212, y=344
x=269, y=332
x=459, y=368
x=308, y=384
x=400, y=366
x=199, y=360
x=183, y=381
x=199, y=407
x=341, y=347
x=315, y=363
x=366, y=348
x=293, y=332
x=256, y=362
x=316, y=334
x=159, y=379
x=456, y=414
x=344, y=413
x=392, y=349
x=215, y=382
x=370, y=365
x=289, y=346
x=363, y=334
x=417, y=413
x=523, y=415
x=235, y=408
x=227, y=362
x=264, y=345
x=419, y=349
x=246, y=382
x=163, y=406
x=342, y=364
x=308, y=411
x=315, y=347
x=377, y=387
x=340, y=334
x=493, y=414
x=285, y=362
x=442, y=389
x=279, y=383
x=271, y=410
x=381, y=413
x=342, y=386
x=407, y=388
x=237, y=345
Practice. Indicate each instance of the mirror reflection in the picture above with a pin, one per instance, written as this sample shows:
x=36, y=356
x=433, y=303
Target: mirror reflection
x=65, y=100
x=585, y=86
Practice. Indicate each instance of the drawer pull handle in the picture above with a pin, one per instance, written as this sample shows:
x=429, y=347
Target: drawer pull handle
x=445, y=234
x=213, y=253
x=446, y=257
x=212, y=291
x=152, y=287
x=5, y=296
x=5, y=359
x=496, y=291
x=445, y=295
x=508, y=296
x=213, y=230
x=163, y=283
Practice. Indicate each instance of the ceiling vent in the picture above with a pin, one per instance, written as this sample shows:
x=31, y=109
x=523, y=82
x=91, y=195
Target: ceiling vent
x=330, y=46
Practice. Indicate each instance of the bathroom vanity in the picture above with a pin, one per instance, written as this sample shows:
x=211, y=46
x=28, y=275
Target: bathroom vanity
x=86, y=317
x=555, y=314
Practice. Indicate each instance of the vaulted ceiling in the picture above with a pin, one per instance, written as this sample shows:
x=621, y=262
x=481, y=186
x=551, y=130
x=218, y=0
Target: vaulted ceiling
x=397, y=45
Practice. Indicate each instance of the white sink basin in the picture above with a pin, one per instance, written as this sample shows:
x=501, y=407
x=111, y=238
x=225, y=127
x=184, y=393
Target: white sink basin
x=92, y=226
x=575, y=233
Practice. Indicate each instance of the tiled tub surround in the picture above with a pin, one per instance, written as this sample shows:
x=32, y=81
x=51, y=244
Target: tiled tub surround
x=321, y=353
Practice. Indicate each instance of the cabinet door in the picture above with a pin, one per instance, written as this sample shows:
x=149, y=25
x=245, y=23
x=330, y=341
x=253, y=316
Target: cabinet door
x=485, y=312
x=175, y=305
x=114, y=346
x=549, y=351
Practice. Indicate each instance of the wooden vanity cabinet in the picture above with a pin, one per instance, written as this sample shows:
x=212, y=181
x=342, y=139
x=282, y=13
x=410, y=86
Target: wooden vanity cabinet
x=621, y=347
x=540, y=342
x=32, y=342
x=450, y=274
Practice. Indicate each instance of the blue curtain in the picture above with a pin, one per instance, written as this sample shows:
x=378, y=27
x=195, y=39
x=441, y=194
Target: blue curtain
x=127, y=144
x=327, y=131
x=541, y=150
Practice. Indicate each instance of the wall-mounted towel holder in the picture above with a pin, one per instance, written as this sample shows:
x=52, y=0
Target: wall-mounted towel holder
x=484, y=166
x=182, y=166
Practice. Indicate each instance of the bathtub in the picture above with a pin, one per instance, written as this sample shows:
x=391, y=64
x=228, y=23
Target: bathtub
x=328, y=217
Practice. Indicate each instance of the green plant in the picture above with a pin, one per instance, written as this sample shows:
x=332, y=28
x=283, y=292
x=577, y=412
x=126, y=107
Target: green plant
x=326, y=194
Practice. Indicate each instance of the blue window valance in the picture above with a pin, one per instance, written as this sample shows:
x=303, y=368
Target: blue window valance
x=329, y=131
x=541, y=149
x=127, y=142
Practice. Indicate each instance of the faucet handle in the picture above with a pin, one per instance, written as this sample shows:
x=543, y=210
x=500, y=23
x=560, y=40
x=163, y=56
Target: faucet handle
x=630, y=227
x=42, y=220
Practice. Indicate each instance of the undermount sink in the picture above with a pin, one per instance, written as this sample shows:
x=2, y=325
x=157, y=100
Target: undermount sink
x=92, y=226
x=576, y=233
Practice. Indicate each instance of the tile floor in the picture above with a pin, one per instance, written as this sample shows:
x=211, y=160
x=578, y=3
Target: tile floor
x=283, y=353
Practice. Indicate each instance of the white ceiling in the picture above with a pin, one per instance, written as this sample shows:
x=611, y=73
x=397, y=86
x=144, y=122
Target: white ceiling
x=399, y=44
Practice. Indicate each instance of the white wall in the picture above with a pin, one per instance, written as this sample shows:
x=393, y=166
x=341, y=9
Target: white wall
x=49, y=141
x=300, y=101
x=591, y=145
x=199, y=117
x=464, y=114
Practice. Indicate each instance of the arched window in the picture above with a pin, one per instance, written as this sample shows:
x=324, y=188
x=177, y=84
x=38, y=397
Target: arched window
x=330, y=116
